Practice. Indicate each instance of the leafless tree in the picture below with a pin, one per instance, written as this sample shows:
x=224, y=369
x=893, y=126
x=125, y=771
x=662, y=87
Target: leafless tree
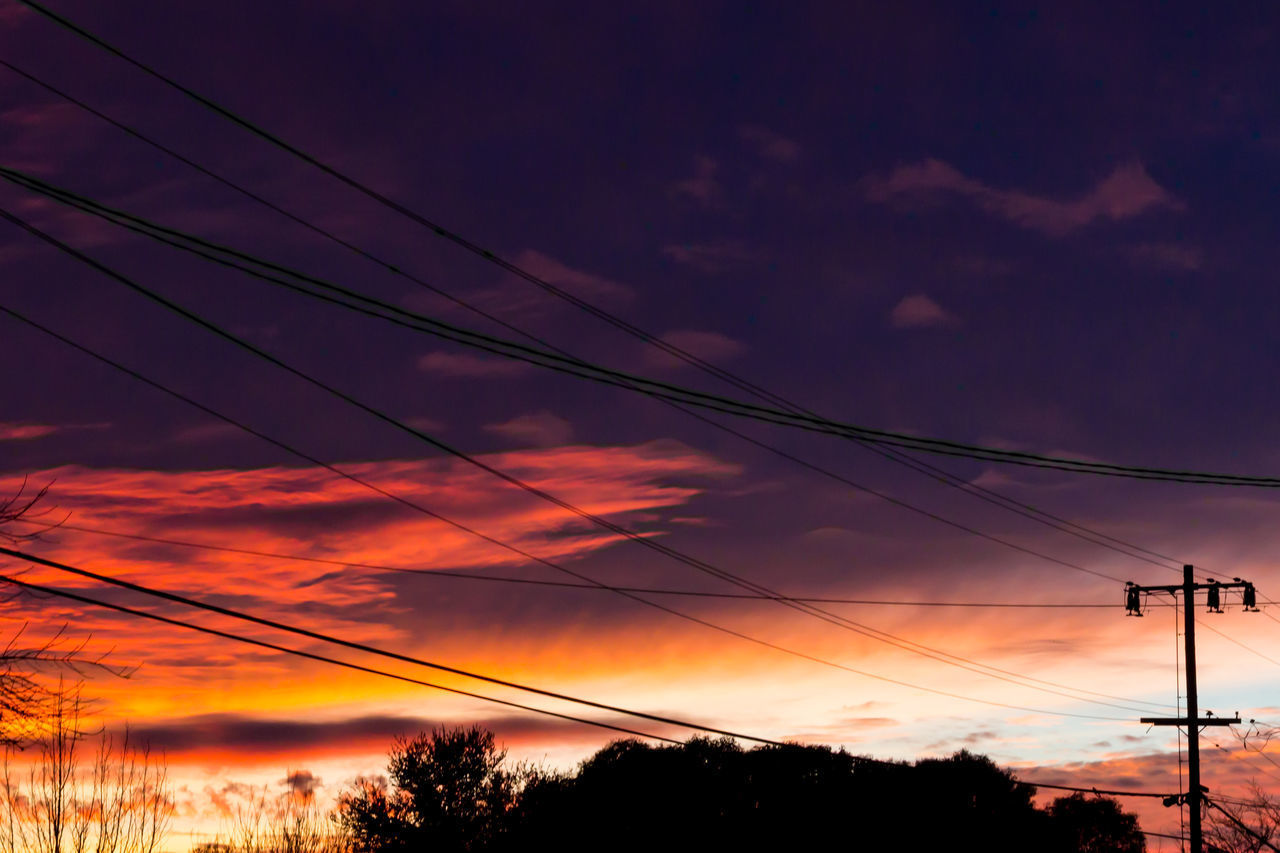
x=21, y=505
x=28, y=695
x=1248, y=825
x=117, y=801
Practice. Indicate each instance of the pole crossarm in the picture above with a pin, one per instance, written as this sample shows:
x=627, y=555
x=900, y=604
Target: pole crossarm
x=1177, y=587
x=1184, y=721
x=1133, y=594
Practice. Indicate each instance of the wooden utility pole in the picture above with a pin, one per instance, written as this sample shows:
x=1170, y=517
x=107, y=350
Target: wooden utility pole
x=1192, y=721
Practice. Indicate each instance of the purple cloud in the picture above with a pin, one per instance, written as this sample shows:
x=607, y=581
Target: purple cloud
x=703, y=186
x=769, y=144
x=711, y=346
x=25, y=432
x=714, y=257
x=920, y=312
x=537, y=429
x=1127, y=192
x=465, y=366
x=1167, y=257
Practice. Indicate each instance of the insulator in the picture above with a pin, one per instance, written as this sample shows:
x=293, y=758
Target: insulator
x=1132, y=601
x=1250, y=597
x=1215, y=599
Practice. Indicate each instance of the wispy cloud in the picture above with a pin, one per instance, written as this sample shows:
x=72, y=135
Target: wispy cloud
x=711, y=346
x=463, y=366
x=715, y=257
x=1127, y=192
x=702, y=187
x=1166, y=257
x=512, y=297
x=535, y=429
x=310, y=513
x=580, y=282
x=920, y=312
x=25, y=432
x=769, y=144
x=11, y=431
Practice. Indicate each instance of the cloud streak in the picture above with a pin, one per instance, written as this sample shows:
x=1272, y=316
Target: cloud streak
x=920, y=312
x=1126, y=192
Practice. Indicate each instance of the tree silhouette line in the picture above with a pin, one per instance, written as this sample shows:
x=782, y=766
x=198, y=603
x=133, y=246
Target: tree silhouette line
x=452, y=789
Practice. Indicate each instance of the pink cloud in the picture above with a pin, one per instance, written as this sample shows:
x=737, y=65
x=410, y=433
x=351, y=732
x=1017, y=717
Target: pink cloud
x=582, y=283
x=466, y=366
x=703, y=186
x=919, y=312
x=711, y=346
x=1168, y=257
x=25, y=432
x=716, y=257
x=1127, y=192
x=514, y=297
x=309, y=512
x=537, y=429
x=769, y=144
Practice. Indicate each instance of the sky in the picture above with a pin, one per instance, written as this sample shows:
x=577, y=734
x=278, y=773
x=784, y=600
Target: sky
x=1041, y=228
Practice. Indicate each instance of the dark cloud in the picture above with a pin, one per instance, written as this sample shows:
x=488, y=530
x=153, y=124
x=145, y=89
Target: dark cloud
x=302, y=783
x=249, y=735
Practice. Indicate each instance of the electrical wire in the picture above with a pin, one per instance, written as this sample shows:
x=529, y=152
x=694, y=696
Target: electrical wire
x=692, y=562
x=84, y=599
x=51, y=591
x=1247, y=648
x=242, y=616
x=141, y=226
x=1244, y=828
x=920, y=466
x=647, y=590
x=1241, y=644
x=515, y=549
x=1080, y=465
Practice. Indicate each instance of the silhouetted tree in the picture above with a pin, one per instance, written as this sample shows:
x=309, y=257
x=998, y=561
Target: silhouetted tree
x=701, y=795
x=449, y=790
x=1081, y=824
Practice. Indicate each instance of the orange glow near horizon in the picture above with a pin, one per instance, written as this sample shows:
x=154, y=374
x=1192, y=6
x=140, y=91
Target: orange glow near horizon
x=226, y=711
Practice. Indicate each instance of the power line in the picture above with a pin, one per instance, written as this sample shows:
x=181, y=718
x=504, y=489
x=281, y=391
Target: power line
x=360, y=647
x=358, y=667
x=1101, y=791
x=515, y=549
x=692, y=562
x=944, y=475
x=84, y=599
x=933, y=445
x=1249, y=649
x=647, y=590
x=305, y=277
x=573, y=366
x=146, y=228
x=918, y=465
x=1243, y=827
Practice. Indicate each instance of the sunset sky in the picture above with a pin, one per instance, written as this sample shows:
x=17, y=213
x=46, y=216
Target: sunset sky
x=1050, y=231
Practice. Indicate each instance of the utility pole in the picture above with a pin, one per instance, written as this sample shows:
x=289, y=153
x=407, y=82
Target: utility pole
x=1192, y=721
